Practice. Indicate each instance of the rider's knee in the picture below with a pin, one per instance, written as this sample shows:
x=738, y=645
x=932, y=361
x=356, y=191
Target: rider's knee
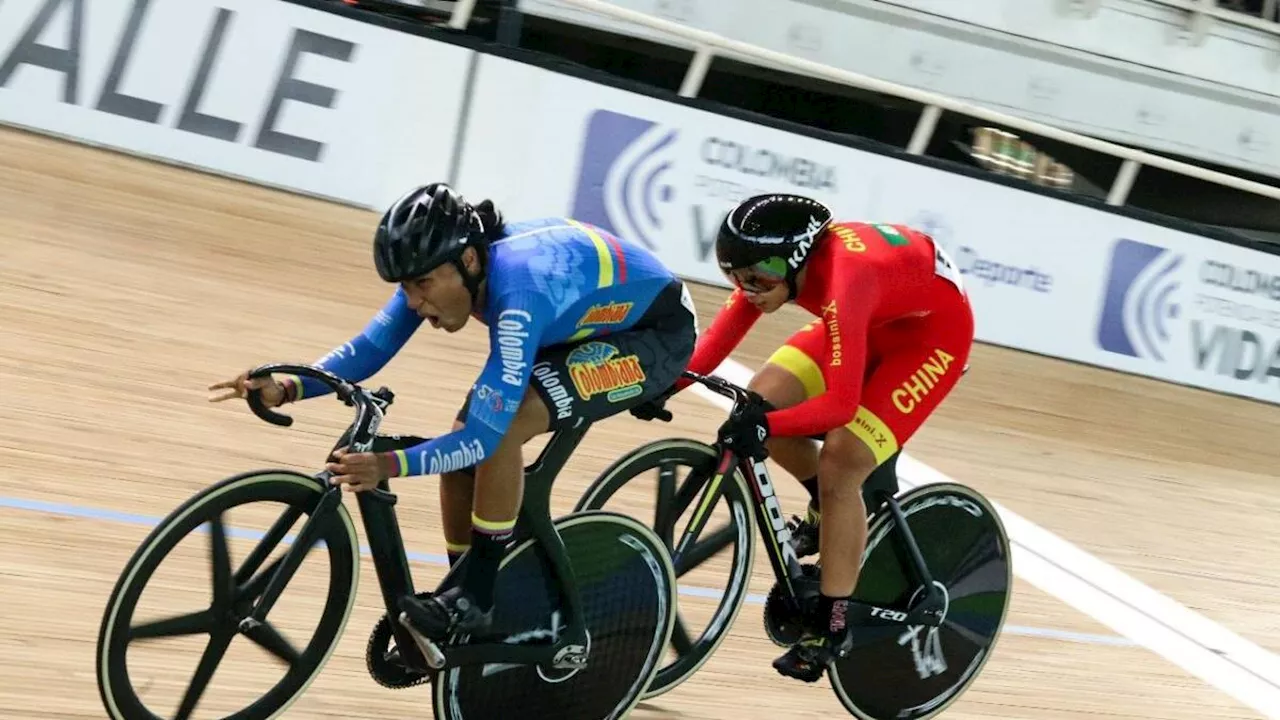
x=782, y=444
x=844, y=463
x=778, y=386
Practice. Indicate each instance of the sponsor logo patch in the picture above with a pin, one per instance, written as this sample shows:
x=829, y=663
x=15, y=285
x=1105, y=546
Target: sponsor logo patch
x=596, y=368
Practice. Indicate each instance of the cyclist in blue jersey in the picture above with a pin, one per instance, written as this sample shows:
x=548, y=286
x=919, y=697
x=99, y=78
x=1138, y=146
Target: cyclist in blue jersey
x=582, y=326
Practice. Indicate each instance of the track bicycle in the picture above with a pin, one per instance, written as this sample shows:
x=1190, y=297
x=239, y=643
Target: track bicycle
x=932, y=593
x=584, y=604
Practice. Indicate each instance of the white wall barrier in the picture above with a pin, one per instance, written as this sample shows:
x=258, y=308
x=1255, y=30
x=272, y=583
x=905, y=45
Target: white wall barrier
x=1045, y=275
x=287, y=96
x=271, y=92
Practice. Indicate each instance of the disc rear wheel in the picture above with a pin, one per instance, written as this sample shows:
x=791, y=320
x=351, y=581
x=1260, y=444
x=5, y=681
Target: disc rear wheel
x=663, y=480
x=916, y=672
x=627, y=586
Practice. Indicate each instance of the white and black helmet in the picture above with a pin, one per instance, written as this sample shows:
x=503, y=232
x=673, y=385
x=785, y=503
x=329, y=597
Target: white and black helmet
x=776, y=231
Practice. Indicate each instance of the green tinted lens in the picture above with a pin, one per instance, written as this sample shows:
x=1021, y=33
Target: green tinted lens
x=773, y=266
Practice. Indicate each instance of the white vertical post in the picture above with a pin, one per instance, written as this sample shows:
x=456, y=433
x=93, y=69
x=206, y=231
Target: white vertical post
x=697, y=72
x=1123, y=182
x=1086, y=9
x=1199, y=21
x=462, y=14
x=1269, y=11
x=925, y=126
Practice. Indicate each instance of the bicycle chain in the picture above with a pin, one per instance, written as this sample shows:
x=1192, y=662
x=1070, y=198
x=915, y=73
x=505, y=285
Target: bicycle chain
x=385, y=668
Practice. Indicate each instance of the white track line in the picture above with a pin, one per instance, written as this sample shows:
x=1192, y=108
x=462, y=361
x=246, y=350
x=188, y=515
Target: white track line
x=1185, y=638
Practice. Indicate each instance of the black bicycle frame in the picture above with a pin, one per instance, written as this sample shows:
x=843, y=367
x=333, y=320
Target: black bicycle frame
x=386, y=545
x=927, y=610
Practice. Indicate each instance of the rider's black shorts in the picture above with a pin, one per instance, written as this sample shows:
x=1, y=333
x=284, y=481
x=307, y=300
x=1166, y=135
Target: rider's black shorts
x=596, y=378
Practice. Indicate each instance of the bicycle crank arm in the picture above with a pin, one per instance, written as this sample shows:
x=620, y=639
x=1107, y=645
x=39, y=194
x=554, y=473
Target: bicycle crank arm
x=928, y=612
x=564, y=655
x=428, y=647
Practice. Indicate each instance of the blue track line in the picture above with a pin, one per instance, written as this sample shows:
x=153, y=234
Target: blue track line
x=149, y=521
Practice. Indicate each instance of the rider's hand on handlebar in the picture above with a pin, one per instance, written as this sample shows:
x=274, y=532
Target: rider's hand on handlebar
x=655, y=408
x=747, y=428
x=651, y=410
x=273, y=393
x=355, y=472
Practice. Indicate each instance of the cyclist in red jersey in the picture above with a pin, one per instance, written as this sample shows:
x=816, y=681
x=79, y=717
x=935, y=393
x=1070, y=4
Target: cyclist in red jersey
x=891, y=337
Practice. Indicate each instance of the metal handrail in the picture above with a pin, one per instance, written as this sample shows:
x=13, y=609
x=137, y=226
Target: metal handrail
x=706, y=44
x=1210, y=8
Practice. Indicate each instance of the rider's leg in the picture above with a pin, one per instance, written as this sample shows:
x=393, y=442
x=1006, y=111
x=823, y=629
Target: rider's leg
x=496, y=494
x=778, y=385
x=924, y=360
x=499, y=488
x=793, y=374
x=456, y=497
x=843, y=465
x=457, y=491
x=790, y=377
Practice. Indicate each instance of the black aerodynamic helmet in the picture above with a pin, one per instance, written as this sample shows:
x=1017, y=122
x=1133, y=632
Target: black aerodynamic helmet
x=774, y=232
x=425, y=228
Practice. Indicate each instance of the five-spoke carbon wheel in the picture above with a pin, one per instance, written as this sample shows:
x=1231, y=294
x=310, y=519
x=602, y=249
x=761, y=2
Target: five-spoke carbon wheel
x=217, y=626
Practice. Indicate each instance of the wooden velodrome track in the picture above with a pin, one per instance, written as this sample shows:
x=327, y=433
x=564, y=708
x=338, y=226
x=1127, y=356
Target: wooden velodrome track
x=126, y=287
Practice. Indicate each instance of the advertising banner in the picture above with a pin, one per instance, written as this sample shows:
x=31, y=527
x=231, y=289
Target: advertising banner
x=263, y=90
x=1193, y=311
x=656, y=173
x=1044, y=274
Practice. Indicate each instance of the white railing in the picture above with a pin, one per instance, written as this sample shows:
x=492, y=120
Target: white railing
x=1198, y=9
x=706, y=45
x=462, y=14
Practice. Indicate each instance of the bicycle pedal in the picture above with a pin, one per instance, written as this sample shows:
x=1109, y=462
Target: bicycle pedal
x=430, y=650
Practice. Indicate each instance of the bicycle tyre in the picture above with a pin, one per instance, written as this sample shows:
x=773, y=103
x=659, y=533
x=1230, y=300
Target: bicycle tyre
x=692, y=454
x=120, y=699
x=966, y=548
x=629, y=606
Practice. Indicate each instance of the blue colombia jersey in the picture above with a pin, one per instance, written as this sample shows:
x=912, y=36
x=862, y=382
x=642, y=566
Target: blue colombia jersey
x=550, y=281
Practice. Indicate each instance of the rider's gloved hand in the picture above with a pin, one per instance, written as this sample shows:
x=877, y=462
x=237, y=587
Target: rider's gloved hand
x=746, y=431
x=654, y=409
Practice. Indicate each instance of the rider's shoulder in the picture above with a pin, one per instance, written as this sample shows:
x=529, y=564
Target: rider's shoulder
x=532, y=226
x=533, y=232
x=857, y=236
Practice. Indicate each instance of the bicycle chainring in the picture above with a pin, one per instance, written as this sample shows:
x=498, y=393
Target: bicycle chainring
x=383, y=661
x=782, y=623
